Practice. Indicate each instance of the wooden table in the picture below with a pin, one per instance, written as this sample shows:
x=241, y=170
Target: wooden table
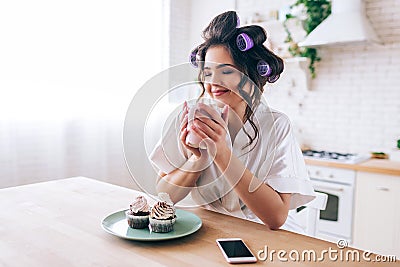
x=58, y=223
x=382, y=166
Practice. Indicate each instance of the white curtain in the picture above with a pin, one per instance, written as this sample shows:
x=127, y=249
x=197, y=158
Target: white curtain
x=68, y=71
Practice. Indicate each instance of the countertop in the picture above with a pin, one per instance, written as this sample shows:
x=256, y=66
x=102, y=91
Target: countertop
x=58, y=223
x=382, y=166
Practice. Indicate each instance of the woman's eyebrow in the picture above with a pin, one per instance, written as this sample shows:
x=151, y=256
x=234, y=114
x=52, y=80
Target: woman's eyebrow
x=221, y=66
x=224, y=65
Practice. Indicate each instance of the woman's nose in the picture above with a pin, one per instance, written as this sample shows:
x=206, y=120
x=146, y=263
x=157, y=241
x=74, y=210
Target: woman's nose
x=215, y=79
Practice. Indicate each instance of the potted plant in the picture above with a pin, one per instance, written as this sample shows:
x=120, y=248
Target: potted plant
x=314, y=12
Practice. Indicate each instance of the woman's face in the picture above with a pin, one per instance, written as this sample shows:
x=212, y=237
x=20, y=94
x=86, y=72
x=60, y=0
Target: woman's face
x=221, y=78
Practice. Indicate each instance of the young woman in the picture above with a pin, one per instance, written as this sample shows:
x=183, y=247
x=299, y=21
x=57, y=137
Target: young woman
x=251, y=166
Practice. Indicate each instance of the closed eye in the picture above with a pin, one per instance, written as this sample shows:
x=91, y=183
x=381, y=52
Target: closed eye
x=227, y=71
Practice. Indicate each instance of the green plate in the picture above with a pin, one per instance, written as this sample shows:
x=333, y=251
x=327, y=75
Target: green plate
x=186, y=224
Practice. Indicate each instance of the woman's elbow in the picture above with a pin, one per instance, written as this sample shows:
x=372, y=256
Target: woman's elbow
x=277, y=222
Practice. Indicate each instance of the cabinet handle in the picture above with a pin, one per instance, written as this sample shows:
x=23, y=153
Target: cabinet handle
x=382, y=188
x=336, y=189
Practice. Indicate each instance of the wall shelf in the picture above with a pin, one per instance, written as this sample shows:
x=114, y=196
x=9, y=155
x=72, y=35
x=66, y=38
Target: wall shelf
x=299, y=63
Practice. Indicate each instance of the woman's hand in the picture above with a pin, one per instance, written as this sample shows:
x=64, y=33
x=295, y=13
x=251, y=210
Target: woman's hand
x=212, y=128
x=184, y=132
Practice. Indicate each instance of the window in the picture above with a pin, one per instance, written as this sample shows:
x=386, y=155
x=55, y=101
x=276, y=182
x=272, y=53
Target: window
x=68, y=70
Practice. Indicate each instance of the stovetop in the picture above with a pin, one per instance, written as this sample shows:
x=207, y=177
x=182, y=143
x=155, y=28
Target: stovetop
x=335, y=156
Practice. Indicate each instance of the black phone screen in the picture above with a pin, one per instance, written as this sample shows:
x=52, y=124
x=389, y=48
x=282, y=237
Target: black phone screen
x=235, y=249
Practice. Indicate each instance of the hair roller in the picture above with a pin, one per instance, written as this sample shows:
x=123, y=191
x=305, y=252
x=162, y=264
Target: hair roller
x=244, y=42
x=193, y=58
x=273, y=79
x=237, y=21
x=263, y=68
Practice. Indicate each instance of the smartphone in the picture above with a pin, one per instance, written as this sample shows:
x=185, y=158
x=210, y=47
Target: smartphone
x=235, y=250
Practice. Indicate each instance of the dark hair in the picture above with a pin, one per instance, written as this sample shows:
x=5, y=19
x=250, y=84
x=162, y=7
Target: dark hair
x=223, y=30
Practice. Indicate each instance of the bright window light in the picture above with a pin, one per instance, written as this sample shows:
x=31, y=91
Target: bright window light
x=78, y=58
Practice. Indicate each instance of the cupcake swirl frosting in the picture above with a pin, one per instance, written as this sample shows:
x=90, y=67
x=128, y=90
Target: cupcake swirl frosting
x=140, y=205
x=162, y=211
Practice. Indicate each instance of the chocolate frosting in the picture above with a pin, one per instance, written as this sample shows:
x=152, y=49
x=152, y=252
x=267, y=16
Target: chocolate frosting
x=162, y=211
x=140, y=206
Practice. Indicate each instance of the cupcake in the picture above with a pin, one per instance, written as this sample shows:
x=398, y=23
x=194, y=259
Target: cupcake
x=138, y=213
x=162, y=217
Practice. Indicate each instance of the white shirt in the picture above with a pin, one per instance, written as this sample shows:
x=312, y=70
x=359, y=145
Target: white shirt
x=274, y=158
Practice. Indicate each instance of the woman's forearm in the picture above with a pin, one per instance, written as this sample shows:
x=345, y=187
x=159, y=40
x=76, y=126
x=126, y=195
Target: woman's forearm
x=267, y=204
x=180, y=181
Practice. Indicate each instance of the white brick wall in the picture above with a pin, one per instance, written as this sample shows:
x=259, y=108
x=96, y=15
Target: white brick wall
x=354, y=103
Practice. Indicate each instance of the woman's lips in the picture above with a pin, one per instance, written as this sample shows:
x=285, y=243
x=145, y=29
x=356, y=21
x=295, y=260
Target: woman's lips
x=219, y=92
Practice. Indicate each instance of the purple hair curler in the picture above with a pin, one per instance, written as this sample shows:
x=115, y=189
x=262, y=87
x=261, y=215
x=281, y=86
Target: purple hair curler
x=263, y=68
x=273, y=79
x=193, y=59
x=244, y=42
x=237, y=21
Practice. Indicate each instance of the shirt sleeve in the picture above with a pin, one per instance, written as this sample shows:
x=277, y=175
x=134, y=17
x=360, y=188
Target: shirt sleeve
x=167, y=155
x=284, y=166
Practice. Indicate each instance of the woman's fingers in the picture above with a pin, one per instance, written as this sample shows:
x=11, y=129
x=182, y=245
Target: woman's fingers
x=185, y=111
x=206, y=130
x=208, y=124
x=184, y=131
x=216, y=132
x=183, y=136
x=184, y=122
x=212, y=126
x=206, y=139
x=225, y=113
x=211, y=113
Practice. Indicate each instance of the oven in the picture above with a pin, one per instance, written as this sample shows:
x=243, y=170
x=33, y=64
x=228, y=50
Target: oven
x=335, y=222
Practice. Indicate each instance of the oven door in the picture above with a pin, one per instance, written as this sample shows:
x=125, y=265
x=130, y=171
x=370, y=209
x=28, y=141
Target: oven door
x=336, y=220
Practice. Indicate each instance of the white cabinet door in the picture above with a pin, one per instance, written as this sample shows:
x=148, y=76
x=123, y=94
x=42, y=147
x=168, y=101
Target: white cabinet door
x=377, y=213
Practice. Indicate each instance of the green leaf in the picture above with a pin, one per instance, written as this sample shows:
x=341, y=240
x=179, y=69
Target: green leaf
x=317, y=11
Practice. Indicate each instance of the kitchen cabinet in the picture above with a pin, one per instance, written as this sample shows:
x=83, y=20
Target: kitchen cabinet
x=377, y=215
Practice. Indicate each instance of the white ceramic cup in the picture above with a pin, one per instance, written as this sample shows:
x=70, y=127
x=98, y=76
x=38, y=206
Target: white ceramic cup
x=192, y=139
